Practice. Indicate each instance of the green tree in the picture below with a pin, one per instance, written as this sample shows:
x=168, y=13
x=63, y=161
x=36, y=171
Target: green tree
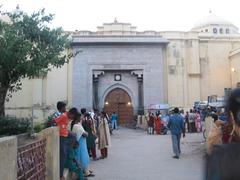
x=29, y=48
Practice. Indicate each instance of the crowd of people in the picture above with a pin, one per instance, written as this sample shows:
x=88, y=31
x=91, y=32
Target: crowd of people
x=158, y=123
x=79, y=134
x=223, y=141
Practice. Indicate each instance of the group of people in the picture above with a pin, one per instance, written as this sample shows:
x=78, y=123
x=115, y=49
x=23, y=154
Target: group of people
x=79, y=132
x=155, y=123
x=193, y=121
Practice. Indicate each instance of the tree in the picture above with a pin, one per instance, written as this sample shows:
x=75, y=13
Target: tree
x=29, y=48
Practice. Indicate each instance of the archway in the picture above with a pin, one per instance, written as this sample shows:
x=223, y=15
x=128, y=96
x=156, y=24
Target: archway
x=119, y=101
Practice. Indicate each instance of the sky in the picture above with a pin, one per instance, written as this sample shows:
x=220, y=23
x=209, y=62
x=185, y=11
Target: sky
x=159, y=15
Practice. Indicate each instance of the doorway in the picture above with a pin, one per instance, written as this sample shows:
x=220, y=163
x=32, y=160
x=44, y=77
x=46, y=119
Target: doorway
x=119, y=101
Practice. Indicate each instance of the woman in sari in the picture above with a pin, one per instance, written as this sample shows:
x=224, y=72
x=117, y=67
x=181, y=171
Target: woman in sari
x=198, y=122
x=158, y=124
x=104, y=135
x=82, y=156
x=89, y=127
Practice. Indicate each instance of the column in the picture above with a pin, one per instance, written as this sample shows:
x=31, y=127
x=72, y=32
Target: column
x=140, y=96
x=139, y=74
x=96, y=75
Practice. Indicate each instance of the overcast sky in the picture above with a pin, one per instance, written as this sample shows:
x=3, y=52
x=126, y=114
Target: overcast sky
x=157, y=15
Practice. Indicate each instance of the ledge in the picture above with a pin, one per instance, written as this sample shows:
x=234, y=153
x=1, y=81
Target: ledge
x=81, y=40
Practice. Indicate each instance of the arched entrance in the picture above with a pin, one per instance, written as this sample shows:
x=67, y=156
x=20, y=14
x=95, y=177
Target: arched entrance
x=119, y=101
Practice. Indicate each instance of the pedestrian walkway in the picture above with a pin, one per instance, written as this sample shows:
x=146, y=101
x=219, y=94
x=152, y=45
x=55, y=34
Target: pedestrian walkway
x=135, y=155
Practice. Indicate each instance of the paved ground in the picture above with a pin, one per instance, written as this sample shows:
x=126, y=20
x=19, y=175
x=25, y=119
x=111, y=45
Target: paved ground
x=135, y=155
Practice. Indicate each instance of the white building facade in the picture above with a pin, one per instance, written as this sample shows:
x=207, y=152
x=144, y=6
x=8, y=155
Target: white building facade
x=121, y=69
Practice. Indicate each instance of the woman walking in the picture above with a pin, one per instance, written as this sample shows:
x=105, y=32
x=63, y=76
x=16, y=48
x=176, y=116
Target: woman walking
x=104, y=135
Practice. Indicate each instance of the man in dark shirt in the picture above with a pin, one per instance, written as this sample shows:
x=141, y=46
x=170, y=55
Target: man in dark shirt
x=176, y=126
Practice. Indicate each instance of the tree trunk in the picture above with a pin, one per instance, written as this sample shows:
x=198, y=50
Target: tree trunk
x=3, y=93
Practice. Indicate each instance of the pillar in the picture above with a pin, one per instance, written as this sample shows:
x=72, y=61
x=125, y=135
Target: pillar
x=140, y=96
x=96, y=75
x=139, y=74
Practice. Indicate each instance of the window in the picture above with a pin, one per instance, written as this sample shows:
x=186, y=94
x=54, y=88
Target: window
x=227, y=31
x=215, y=30
x=221, y=31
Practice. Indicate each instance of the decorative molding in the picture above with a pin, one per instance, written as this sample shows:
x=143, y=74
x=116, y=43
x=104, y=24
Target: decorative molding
x=138, y=73
x=96, y=74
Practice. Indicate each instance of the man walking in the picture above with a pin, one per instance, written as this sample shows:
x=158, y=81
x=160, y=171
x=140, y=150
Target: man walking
x=176, y=126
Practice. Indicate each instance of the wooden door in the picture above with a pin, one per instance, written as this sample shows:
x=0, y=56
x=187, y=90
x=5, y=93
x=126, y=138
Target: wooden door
x=119, y=101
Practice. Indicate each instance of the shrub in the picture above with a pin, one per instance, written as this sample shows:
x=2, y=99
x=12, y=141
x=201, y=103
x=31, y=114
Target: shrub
x=38, y=128
x=13, y=126
x=49, y=121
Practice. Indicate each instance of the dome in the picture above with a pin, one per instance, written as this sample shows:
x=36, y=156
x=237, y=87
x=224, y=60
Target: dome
x=212, y=19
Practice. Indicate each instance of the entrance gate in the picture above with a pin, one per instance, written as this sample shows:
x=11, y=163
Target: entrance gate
x=119, y=101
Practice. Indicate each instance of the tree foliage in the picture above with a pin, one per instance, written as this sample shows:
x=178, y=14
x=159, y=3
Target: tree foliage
x=29, y=48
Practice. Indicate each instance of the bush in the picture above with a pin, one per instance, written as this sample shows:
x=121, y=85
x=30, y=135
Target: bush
x=38, y=128
x=49, y=121
x=13, y=126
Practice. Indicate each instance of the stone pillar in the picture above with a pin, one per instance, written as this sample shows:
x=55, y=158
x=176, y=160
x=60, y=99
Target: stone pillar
x=139, y=74
x=96, y=75
x=8, y=157
x=52, y=152
x=140, y=96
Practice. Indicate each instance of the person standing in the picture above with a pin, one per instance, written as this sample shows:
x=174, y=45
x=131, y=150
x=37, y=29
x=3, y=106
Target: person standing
x=191, y=121
x=187, y=126
x=198, y=125
x=158, y=124
x=176, y=126
x=104, y=135
x=89, y=126
x=82, y=155
x=151, y=124
x=62, y=123
x=114, y=119
x=61, y=108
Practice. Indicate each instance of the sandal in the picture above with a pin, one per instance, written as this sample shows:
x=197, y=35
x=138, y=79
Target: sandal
x=90, y=175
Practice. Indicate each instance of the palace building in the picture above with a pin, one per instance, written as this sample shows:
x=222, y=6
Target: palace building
x=121, y=69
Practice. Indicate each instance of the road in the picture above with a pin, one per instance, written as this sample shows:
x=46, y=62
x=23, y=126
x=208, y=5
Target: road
x=135, y=155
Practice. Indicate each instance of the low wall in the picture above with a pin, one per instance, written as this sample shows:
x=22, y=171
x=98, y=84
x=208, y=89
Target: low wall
x=8, y=158
x=9, y=149
x=52, y=152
